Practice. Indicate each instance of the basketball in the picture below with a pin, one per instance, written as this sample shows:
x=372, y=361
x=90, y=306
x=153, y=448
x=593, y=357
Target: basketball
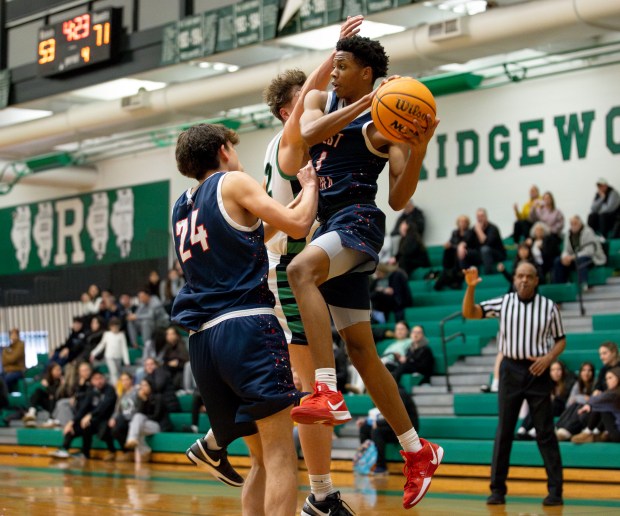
x=397, y=103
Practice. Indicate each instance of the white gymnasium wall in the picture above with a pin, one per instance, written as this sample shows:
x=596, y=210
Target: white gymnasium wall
x=443, y=198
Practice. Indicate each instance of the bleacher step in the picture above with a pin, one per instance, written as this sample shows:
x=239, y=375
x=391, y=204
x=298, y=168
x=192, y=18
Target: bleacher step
x=434, y=400
x=460, y=368
x=436, y=411
x=482, y=360
x=462, y=379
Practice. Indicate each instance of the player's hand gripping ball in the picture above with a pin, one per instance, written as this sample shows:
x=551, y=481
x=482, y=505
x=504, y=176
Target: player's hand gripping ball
x=397, y=103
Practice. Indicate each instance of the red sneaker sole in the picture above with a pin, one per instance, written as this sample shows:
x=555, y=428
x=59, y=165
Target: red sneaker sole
x=304, y=416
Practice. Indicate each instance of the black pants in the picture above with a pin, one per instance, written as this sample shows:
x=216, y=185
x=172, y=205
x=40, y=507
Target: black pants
x=87, y=438
x=515, y=385
x=381, y=436
x=120, y=430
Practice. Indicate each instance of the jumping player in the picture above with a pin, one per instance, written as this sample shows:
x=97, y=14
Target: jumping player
x=349, y=154
x=285, y=153
x=238, y=351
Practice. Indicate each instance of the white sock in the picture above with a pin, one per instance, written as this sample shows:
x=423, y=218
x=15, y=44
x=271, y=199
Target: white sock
x=495, y=385
x=587, y=431
x=327, y=375
x=211, y=442
x=521, y=431
x=321, y=486
x=410, y=441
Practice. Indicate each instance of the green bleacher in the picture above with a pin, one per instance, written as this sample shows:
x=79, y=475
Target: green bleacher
x=602, y=322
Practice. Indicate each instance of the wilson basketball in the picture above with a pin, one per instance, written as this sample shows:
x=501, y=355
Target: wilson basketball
x=397, y=103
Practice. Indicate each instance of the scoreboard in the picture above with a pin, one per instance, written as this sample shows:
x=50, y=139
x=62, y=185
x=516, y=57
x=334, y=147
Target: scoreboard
x=83, y=40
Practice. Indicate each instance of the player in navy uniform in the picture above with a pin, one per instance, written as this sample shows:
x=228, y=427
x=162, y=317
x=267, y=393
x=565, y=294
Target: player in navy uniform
x=238, y=351
x=285, y=153
x=349, y=154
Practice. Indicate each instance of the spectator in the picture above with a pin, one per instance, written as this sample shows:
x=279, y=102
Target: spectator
x=559, y=395
x=91, y=419
x=4, y=397
x=153, y=284
x=389, y=292
x=608, y=352
x=110, y=307
x=414, y=217
x=151, y=417
x=13, y=360
x=399, y=347
x=607, y=404
x=570, y=421
x=524, y=254
x=116, y=353
x=412, y=252
x=460, y=252
x=417, y=359
x=45, y=396
x=377, y=429
x=149, y=317
x=198, y=406
x=544, y=210
x=582, y=249
x=545, y=248
x=161, y=383
x=491, y=246
x=604, y=217
x=170, y=288
x=72, y=394
x=523, y=224
x=92, y=301
x=126, y=405
x=73, y=346
x=93, y=338
x=175, y=356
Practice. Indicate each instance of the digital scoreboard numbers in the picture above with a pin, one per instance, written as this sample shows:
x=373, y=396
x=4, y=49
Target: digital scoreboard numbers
x=84, y=40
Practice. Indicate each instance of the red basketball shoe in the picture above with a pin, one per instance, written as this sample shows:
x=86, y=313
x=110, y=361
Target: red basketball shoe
x=322, y=406
x=419, y=469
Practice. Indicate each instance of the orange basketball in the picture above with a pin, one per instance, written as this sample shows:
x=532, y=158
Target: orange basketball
x=399, y=102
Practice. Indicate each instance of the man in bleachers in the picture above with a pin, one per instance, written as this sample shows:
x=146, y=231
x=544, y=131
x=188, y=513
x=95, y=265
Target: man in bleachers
x=418, y=358
x=72, y=346
x=13, y=360
x=604, y=215
x=491, y=246
x=149, y=317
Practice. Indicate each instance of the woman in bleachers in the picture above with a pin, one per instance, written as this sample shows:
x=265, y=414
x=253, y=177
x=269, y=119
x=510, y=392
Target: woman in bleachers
x=524, y=254
x=71, y=394
x=545, y=210
x=570, y=421
x=411, y=252
x=545, y=248
x=398, y=348
x=607, y=404
x=175, y=356
x=151, y=417
x=125, y=409
x=417, y=359
x=608, y=353
x=562, y=385
x=460, y=252
x=45, y=396
x=161, y=383
x=169, y=288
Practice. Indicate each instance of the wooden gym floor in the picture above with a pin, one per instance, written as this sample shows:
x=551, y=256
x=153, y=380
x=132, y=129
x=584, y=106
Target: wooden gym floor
x=35, y=485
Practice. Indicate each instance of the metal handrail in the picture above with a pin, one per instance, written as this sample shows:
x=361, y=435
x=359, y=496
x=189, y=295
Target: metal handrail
x=445, y=340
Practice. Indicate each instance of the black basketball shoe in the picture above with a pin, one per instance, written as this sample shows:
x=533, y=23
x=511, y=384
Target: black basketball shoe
x=215, y=462
x=333, y=505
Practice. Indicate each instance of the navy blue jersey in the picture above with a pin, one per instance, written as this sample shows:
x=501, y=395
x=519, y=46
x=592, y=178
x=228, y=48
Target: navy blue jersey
x=225, y=264
x=347, y=164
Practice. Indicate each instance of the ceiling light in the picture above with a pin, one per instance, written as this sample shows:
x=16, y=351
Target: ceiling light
x=468, y=7
x=218, y=67
x=117, y=89
x=326, y=37
x=12, y=115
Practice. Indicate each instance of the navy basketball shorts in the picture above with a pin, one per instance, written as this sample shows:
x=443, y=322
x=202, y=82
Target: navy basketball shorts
x=242, y=369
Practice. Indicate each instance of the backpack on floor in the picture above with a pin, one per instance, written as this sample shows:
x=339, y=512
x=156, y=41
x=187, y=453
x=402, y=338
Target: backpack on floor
x=365, y=458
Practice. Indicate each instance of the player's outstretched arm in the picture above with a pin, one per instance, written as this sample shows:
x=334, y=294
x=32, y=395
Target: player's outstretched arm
x=242, y=193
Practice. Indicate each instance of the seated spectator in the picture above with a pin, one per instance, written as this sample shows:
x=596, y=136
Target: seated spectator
x=523, y=224
x=411, y=253
x=198, y=406
x=110, y=307
x=377, y=429
x=149, y=317
x=545, y=248
x=115, y=350
x=71, y=395
x=570, y=421
x=582, y=250
x=91, y=301
x=73, y=346
x=389, y=292
x=608, y=353
x=607, y=404
x=170, y=288
x=604, y=217
x=45, y=396
x=13, y=360
x=559, y=395
x=492, y=248
x=151, y=417
x=524, y=254
x=153, y=284
x=4, y=396
x=91, y=418
x=414, y=217
x=126, y=404
x=417, y=359
x=544, y=210
x=461, y=252
x=175, y=356
x=93, y=338
x=399, y=347
x=161, y=383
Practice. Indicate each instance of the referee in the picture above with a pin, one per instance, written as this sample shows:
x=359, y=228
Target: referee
x=530, y=338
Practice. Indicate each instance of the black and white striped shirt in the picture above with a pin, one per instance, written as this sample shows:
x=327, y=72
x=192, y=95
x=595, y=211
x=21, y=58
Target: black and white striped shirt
x=526, y=329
